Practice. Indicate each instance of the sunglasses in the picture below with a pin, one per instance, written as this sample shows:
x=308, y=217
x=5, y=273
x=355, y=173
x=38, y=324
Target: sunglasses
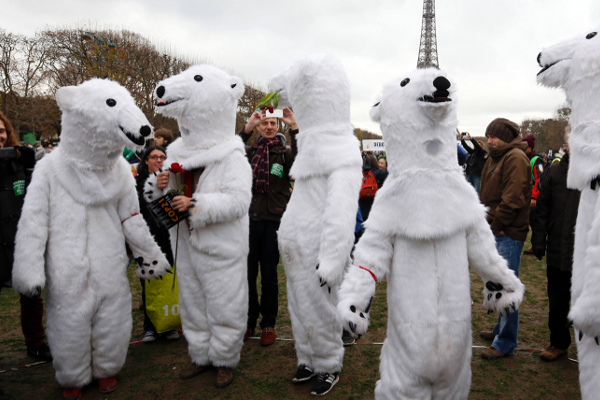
x=161, y=158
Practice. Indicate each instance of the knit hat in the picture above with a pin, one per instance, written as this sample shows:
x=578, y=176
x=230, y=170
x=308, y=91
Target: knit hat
x=503, y=129
x=530, y=139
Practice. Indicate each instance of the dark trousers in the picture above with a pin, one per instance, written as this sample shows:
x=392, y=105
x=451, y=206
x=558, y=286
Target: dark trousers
x=32, y=312
x=148, y=325
x=559, y=296
x=264, y=251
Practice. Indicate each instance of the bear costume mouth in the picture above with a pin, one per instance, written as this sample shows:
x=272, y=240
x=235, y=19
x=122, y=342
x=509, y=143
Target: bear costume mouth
x=548, y=66
x=137, y=140
x=163, y=103
x=434, y=99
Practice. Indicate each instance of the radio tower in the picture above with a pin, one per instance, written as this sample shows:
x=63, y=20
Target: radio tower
x=428, y=47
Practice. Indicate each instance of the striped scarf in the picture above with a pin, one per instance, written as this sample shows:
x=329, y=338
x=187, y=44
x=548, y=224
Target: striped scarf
x=260, y=163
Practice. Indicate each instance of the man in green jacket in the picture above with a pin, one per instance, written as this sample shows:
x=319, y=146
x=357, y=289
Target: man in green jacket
x=506, y=191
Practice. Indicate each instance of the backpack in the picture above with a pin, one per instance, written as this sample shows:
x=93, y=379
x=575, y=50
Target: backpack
x=369, y=186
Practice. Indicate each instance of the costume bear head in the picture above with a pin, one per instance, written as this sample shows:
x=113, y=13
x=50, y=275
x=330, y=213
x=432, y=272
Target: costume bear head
x=318, y=90
x=574, y=66
x=417, y=113
x=99, y=118
x=204, y=101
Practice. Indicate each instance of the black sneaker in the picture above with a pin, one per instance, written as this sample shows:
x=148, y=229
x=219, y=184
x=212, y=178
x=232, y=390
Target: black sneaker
x=41, y=352
x=303, y=374
x=347, y=338
x=324, y=383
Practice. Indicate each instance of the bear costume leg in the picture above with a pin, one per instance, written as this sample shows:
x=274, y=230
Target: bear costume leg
x=589, y=370
x=316, y=324
x=213, y=296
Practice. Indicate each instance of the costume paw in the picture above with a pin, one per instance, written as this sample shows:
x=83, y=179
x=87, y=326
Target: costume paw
x=329, y=275
x=29, y=290
x=586, y=315
x=496, y=298
x=355, y=318
x=355, y=297
x=151, y=189
x=148, y=269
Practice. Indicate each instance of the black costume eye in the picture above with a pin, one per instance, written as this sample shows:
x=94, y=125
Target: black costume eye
x=376, y=104
x=198, y=78
x=111, y=102
x=404, y=82
x=591, y=35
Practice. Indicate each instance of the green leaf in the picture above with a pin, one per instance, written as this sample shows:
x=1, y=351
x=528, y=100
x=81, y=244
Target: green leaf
x=271, y=99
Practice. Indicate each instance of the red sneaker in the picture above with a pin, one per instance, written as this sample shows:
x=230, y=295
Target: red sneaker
x=267, y=337
x=71, y=394
x=107, y=385
x=249, y=332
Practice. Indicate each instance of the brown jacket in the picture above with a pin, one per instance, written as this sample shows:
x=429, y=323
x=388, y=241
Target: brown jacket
x=506, y=189
x=271, y=205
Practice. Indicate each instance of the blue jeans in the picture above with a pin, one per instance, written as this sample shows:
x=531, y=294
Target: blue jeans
x=474, y=180
x=507, y=328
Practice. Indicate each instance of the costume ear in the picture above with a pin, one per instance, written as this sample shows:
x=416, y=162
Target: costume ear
x=237, y=87
x=65, y=97
x=375, y=112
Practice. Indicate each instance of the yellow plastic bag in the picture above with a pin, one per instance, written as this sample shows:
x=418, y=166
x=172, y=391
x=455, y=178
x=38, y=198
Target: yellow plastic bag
x=162, y=303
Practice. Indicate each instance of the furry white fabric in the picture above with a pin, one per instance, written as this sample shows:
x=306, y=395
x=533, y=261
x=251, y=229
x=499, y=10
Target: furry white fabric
x=317, y=229
x=574, y=66
x=416, y=237
x=80, y=209
x=213, y=244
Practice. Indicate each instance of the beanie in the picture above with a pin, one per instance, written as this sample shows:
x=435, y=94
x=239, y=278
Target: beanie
x=530, y=139
x=503, y=129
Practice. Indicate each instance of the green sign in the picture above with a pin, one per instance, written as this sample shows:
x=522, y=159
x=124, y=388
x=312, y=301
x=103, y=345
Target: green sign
x=277, y=170
x=29, y=138
x=19, y=187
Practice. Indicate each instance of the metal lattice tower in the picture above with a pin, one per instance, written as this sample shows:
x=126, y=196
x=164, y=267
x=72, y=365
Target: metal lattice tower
x=428, y=47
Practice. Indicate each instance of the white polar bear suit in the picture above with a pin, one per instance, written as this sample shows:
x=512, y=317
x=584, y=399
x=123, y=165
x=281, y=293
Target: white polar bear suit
x=425, y=228
x=317, y=228
x=574, y=65
x=81, y=208
x=213, y=243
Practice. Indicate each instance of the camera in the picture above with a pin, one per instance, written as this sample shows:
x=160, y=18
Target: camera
x=8, y=153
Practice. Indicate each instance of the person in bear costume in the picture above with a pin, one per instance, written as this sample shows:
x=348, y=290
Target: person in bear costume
x=80, y=209
x=574, y=66
x=417, y=238
x=317, y=229
x=211, y=247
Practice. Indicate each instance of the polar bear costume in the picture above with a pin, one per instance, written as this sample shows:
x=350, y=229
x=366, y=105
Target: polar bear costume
x=317, y=228
x=417, y=238
x=574, y=65
x=213, y=243
x=80, y=209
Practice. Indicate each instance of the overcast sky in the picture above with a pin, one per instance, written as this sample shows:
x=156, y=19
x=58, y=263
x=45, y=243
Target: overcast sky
x=487, y=47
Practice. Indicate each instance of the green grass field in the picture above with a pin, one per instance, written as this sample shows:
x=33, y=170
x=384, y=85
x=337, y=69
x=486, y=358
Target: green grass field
x=152, y=370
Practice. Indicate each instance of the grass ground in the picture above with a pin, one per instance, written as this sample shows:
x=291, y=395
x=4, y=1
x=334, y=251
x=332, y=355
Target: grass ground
x=152, y=370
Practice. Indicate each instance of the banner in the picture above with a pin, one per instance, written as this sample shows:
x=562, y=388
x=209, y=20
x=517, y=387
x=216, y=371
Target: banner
x=373, y=145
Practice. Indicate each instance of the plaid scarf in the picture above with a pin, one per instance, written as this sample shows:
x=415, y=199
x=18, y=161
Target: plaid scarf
x=260, y=163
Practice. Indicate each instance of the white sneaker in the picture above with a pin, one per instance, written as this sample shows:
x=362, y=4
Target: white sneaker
x=149, y=336
x=172, y=335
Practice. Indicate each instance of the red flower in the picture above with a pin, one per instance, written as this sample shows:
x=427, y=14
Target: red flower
x=176, y=168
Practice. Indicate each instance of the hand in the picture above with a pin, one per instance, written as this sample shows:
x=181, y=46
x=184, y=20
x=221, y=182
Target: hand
x=289, y=118
x=254, y=121
x=162, y=180
x=498, y=233
x=533, y=203
x=469, y=135
x=181, y=203
x=539, y=253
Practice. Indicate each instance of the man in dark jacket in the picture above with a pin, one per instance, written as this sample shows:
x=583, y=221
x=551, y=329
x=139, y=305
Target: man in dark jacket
x=475, y=162
x=537, y=169
x=271, y=162
x=506, y=191
x=553, y=234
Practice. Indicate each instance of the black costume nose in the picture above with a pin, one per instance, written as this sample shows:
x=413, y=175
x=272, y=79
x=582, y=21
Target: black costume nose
x=539, y=59
x=441, y=83
x=160, y=92
x=145, y=130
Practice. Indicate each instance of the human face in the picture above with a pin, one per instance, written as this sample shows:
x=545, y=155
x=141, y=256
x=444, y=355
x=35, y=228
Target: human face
x=159, y=141
x=382, y=163
x=268, y=127
x=494, y=142
x=155, y=161
x=3, y=134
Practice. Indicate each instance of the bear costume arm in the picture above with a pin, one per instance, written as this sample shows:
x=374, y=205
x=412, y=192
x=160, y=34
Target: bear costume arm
x=373, y=257
x=503, y=291
x=29, y=275
x=339, y=221
x=151, y=189
x=231, y=201
x=151, y=262
x=585, y=312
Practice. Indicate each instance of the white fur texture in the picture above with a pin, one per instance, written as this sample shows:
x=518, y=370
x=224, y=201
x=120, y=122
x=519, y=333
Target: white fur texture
x=76, y=219
x=317, y=228
x=574, y=66
x=213, y=243
x=425, y=228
